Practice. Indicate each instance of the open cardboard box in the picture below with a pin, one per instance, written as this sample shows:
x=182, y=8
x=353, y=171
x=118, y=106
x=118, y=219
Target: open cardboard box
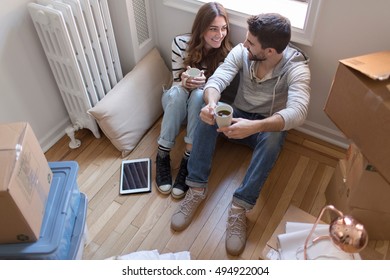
x=374, y=65
x=360, y=106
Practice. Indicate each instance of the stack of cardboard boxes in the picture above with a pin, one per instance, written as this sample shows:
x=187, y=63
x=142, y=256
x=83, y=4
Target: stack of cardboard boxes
x=359, y=105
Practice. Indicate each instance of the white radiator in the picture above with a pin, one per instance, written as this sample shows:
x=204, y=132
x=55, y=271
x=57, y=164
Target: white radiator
x=79, y=43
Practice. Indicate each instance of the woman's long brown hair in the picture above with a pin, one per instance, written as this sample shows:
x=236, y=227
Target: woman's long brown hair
x=196, y=56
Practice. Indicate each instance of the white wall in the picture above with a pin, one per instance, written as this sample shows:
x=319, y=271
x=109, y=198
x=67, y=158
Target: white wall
x=28, y=91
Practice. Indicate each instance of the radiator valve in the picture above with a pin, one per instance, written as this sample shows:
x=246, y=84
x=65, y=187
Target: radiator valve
x=74, y=143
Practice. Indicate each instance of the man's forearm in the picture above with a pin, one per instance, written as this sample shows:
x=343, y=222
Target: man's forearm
x=211, y=95
x=272, y=123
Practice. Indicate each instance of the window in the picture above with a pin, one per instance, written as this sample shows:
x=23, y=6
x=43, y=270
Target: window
x=302, y=13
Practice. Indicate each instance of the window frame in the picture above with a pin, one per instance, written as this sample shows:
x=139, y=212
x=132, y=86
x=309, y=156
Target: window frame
x=303, y=36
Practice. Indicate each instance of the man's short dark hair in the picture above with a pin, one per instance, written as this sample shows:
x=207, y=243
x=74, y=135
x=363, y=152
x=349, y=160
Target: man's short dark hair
x=272, y=30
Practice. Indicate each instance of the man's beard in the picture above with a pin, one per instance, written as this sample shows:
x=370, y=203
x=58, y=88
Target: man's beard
x=255, y=58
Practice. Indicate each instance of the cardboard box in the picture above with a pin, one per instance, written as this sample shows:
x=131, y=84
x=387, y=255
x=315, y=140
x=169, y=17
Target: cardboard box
x=355, y=156
x=376, y=223
x=374, y=65
x=337, y=192
x=364, y=200
x=25, y=180
x=357, y=188
x=360, y=107
x=366, y=188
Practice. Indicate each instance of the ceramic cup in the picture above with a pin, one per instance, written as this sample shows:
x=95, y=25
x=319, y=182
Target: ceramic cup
x=223, y=115
x=193, y=72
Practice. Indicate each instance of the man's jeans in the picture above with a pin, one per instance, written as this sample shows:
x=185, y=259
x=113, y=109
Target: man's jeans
x=266, y=148
x=179, y=104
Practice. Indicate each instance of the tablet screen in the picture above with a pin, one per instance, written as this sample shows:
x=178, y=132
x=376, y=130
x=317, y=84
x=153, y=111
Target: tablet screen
x=135, y=176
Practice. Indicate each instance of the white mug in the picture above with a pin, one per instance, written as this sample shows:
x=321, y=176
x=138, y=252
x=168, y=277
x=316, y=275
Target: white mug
x=193, y=72
x=223, y=115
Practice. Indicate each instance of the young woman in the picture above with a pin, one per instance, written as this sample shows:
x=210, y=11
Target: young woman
x=204, y=48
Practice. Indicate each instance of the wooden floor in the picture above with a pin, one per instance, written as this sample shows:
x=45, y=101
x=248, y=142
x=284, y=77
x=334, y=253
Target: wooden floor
x=121, y=224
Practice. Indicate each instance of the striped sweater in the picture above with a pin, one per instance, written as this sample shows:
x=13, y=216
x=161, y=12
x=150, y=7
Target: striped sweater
x=179, y=53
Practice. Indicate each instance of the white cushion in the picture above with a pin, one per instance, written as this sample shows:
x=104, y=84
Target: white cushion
x=134, y=104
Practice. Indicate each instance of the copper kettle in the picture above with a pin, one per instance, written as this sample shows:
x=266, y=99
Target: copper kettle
x=345, y=232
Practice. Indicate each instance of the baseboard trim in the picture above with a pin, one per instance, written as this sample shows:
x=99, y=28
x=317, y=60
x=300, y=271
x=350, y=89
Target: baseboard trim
x=54, y=135
x=324, y=133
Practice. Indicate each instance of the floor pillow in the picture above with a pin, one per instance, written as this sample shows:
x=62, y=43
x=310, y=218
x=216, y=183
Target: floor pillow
x=132, y=106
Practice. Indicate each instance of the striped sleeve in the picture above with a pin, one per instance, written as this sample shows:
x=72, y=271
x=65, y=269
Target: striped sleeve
x=179, y=46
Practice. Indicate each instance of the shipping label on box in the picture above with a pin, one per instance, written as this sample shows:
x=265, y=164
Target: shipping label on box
x=29, y=176
x=25, y=183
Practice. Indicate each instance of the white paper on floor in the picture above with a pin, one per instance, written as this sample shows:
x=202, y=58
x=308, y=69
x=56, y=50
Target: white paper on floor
x=291, y=244
x=154, y=255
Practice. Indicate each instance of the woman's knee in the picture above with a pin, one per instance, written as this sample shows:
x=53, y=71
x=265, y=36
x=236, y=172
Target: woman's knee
x=176, y=94
x=196, y=97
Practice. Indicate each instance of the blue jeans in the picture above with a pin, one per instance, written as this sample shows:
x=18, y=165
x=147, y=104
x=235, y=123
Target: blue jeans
x=179, y=104
x=266, y=148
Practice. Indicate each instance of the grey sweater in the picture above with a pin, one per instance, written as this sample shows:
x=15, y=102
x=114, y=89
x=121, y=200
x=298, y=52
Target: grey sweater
x=285, y=92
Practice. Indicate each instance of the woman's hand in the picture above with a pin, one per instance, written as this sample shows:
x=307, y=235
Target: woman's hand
x=193, y=82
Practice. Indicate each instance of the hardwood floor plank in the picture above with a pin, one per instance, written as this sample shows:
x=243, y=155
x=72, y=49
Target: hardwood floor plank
x=304, y=183
x=319, y=200
x=325, y=150
x=106, y=248
x=95, y=228
x=98, y=204
x=154, y=210
x=211, y=244
x=161, y=233
x=321, y=158
x=92, y=154
x=131, y=208
x=311, y=192
x=90, y=250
